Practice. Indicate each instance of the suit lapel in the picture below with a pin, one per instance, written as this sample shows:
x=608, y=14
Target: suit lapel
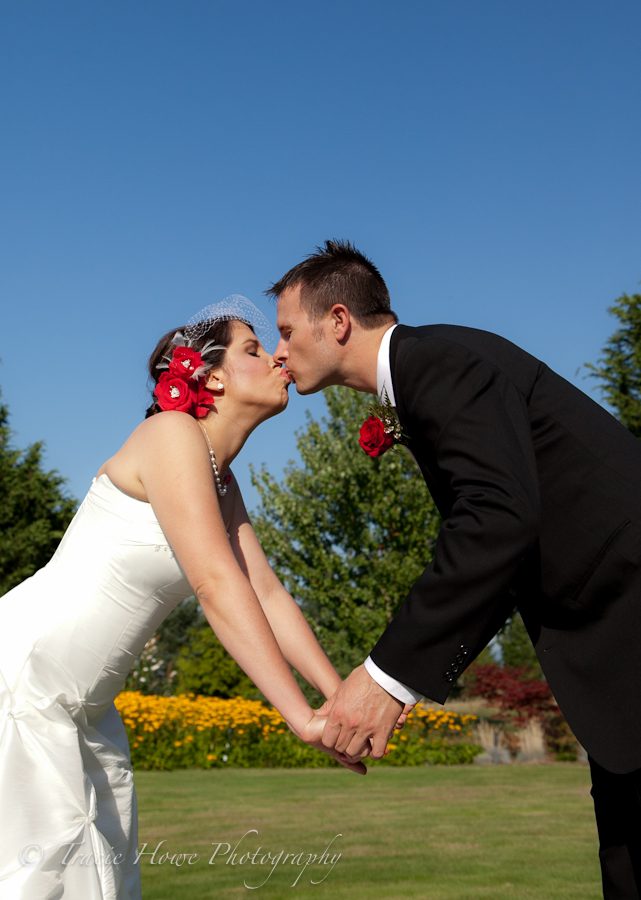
x=402, y=337
x=423, y=452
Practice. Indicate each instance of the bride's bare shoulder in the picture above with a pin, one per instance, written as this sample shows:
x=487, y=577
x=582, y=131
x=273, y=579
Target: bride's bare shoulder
x=167, y=426
x=170, y=435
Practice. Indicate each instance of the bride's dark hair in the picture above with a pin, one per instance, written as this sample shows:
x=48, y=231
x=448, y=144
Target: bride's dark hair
x=220, y=332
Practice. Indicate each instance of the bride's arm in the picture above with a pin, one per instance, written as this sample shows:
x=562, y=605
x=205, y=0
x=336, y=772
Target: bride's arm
x=295, y=638
x=174, y=468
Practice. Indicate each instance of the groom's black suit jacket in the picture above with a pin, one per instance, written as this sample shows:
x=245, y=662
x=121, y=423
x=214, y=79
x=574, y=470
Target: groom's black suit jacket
x=540, y=493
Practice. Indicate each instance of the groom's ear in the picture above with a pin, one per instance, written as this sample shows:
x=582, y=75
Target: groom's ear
x=341, y=322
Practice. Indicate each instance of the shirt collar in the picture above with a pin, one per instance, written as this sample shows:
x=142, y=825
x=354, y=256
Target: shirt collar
x=383, y=368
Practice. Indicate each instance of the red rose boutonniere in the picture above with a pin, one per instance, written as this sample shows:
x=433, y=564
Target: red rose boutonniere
x=373, y=438
x=381, y=430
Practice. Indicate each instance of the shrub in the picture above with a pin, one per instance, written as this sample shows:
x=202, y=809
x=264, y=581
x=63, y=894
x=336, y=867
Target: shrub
x=514, y=691
x=520, y=699
x=203, y=666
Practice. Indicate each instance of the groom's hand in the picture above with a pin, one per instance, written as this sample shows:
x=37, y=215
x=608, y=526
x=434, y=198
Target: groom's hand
x=362, y=717
x=324, y=710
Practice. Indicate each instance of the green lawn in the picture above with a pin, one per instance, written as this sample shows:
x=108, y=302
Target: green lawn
x=439, y=833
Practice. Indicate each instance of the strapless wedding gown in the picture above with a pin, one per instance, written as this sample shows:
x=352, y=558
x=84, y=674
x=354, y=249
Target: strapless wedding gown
x=69, y=636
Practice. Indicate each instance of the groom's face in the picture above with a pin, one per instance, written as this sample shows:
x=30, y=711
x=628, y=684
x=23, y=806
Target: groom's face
x=305, y=347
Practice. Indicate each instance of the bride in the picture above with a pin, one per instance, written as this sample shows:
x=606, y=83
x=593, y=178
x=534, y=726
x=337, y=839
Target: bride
x=163, y=520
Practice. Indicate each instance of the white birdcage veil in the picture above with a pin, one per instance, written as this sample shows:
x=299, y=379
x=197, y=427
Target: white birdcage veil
x=235, y=307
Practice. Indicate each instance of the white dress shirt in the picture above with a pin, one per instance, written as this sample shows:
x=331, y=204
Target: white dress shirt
x=384, y=383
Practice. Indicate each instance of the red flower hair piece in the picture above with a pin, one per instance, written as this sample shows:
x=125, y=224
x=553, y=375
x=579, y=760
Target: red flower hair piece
x=182, y=387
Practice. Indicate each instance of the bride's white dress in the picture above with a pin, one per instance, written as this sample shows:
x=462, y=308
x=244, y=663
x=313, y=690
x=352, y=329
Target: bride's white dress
x=69, y=636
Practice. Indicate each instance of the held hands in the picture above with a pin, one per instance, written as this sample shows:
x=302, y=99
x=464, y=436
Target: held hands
x=363, y=732
x=361, y=717
x=324, y=711
x=312, y=734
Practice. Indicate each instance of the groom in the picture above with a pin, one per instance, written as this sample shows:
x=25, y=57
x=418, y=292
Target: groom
x=540, y=493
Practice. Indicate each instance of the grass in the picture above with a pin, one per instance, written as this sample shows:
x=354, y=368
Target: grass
x=438, y=833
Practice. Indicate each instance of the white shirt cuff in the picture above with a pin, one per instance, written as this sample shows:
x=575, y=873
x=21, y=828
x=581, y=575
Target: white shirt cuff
x=396, y=688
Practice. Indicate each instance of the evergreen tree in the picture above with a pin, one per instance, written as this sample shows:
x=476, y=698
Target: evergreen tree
x=347, y=534
x=34, y=509
x=516, y=647
x=619, y=369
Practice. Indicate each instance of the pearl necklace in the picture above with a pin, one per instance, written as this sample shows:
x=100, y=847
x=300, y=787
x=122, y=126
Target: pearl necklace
x=219, y=485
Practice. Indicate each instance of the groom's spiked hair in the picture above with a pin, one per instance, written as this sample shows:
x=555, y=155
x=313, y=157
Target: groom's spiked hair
x=338, y=273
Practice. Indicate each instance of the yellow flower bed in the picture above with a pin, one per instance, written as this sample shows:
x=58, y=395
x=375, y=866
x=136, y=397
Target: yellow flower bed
x=190, y=730
x=441, y=720
x=433, y=736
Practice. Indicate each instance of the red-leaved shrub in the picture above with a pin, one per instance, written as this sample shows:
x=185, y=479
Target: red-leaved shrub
x=512, y=690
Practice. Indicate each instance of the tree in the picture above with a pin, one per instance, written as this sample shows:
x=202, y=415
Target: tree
x=619, y=369
x=516, y=647
x=35, y=510
x=347, y=534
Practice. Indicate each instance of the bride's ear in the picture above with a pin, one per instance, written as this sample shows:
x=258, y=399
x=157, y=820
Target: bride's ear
x=214, y=383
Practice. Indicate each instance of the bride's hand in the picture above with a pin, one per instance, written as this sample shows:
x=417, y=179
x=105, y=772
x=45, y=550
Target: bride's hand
x=312, y=734
x=407, y=709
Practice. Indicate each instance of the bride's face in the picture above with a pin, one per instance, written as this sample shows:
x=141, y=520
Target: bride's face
x=249, y=375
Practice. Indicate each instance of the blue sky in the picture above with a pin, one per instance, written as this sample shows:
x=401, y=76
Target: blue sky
x=157, y=156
